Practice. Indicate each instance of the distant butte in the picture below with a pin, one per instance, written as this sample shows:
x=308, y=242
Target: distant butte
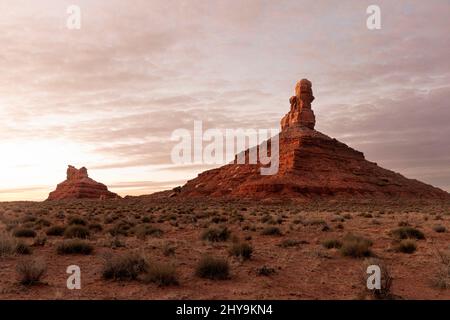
x=311, y=164
x=79, y=186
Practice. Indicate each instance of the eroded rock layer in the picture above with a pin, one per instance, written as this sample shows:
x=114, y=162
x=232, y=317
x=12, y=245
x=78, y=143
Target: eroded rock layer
x=79, y=186
x=310, y=164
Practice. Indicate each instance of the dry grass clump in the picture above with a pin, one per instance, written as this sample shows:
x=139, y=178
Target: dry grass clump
x=215, y=234
x=74, y=246
x=77, y=221
x=271, y=231
x=55, y=231
x=121, y=228
x=406, y=246
x=144, y=230
x=287, y=243
x=442, y=278
x=332, y=243
x=439, y=228
x=265, y=271
x=22, y=248
x=241, y=250
x=168, y=249
x=162, y=274
x=9, y=246
x=95, y=227
x=355, y=246
x=127, y=266
x=77, y=231
x=24, y=233
x=407, y=233
x=30, y=271
x=213, y=268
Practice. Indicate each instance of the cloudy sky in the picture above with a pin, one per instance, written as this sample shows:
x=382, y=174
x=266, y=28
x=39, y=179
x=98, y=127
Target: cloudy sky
x=108, y=96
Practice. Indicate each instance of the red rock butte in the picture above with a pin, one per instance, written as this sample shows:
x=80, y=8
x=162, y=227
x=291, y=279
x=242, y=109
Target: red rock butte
x=311, y=164
x=79, y=186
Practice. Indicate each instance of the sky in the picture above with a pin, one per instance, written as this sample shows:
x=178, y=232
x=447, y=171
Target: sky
x=109, y=95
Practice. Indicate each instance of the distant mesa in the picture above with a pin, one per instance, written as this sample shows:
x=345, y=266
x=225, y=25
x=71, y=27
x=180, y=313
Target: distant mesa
x=311, y=164
x=79, y=186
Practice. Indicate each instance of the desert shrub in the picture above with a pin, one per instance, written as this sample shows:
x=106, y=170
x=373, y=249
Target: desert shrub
x=219, y=219
x=271, y=231
x=407, y=233
x=213, y=268
x=7, y=245
x=40, y=241
x=214, y=234
x=147, y=230
x=77, y=221
x=406, y=246
x=55, y=231
x=355, y=246
x=115, y=242
x=22, y=248
x=120, y=228
x=95, y=227
x=439, y=228
x=332, y=243
x=241, y=250
x=386, y=279
x=168, y=249
x=74, y=246
x=24, y=233
x=442, y=279
x=267, y=218
x=124, y=267
x=29, y=218
x=146, y=220
x=43, y=222
x=265, y=271
x=30, y=271
x=287, y=243
x=316, y=222
x=162, y=274
x=77, y=231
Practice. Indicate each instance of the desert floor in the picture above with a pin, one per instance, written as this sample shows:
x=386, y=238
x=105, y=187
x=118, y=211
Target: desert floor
x=290, y=258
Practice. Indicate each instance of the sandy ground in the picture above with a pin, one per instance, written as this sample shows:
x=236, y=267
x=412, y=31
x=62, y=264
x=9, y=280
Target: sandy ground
x=306, y=270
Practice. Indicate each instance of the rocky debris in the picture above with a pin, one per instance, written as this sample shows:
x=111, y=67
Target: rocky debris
x=79, y=186
x=311, y=164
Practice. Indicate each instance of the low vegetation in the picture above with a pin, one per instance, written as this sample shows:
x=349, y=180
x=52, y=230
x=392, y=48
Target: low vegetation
x=74, y=246
x=213, y=268
x=355, y=246
x=332, y=243
x=126, y=266
x=30, y=271
x=241, y=250
x=24, y=233
x=406, y=246
x=271, y=231
x=216, y=234
x=55, y=231
x=161, y=274
x=407, y=233
x=77, y=231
